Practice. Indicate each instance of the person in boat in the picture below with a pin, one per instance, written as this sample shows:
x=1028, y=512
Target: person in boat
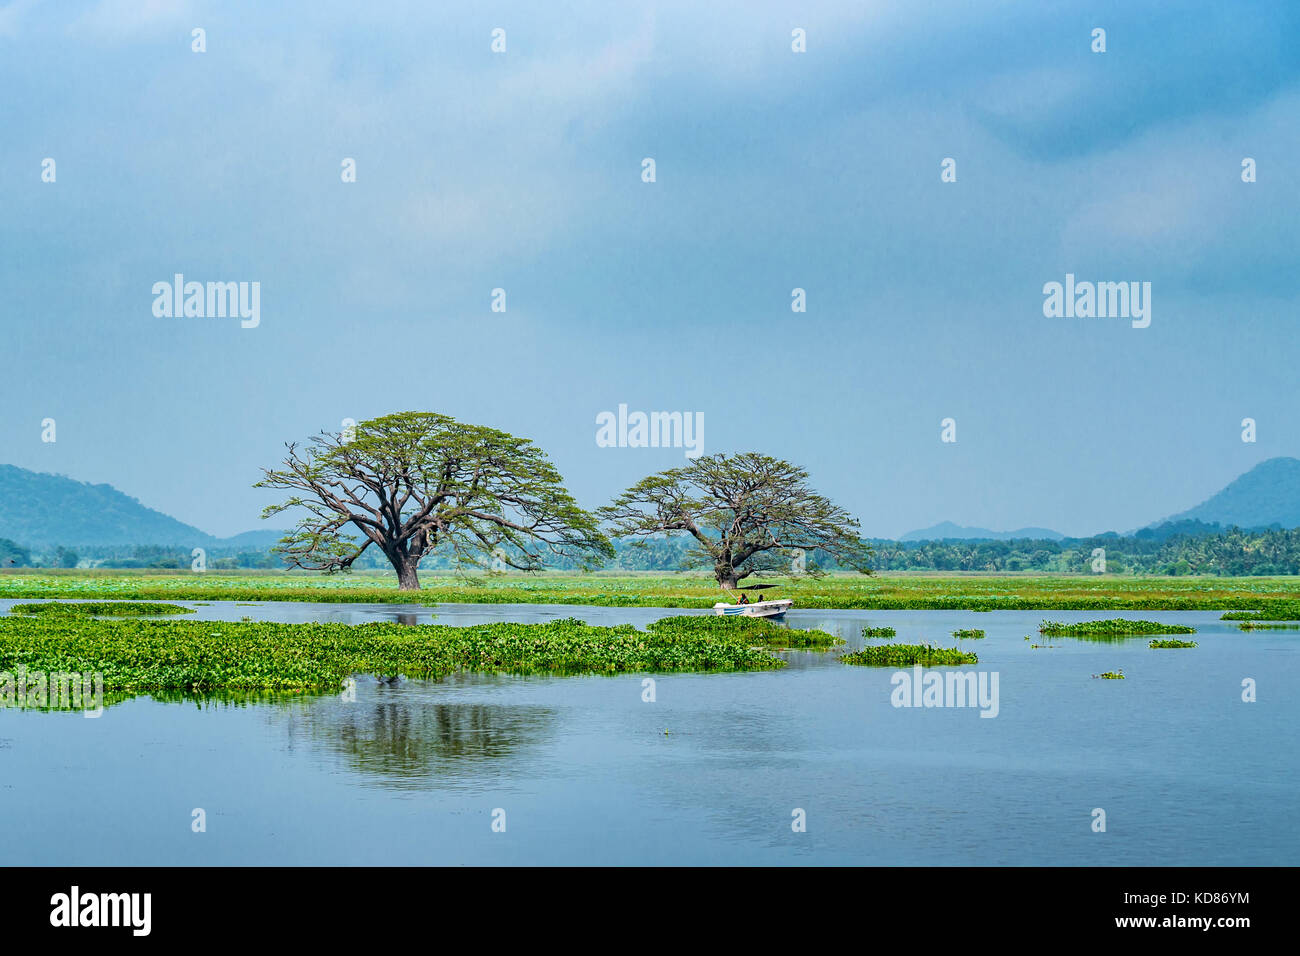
x=744, y=598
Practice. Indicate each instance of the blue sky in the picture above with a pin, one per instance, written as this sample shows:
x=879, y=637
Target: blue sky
x=775, y=170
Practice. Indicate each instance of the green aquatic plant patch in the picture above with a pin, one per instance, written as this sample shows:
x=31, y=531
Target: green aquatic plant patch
x=1110, y=675
x=201, y=656
x=1270, y=611
x=755, y=630
x=1172, y=643
x=973, y=634
x=100, y=609
x=1111, y=627
x=878, y=632
x=907, y=655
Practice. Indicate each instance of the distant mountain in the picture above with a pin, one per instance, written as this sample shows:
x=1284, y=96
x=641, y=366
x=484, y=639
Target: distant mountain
x=1266, y=496
x=261, y=540
x=40, y=511
x=947, y=531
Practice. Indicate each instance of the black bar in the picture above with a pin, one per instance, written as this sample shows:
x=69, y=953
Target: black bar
x=336, y=904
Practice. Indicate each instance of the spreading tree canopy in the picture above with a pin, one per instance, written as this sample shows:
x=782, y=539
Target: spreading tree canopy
x=415, y=481
x=748, y=514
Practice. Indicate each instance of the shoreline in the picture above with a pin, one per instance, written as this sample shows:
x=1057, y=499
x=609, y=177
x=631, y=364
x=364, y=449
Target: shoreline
x=926, y=591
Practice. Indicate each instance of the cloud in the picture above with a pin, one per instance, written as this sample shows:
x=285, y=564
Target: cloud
x=118, y=20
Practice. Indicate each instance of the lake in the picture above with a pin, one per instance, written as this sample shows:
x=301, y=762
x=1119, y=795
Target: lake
x=711, y=772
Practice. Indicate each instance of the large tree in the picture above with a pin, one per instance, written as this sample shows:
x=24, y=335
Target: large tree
x=748, y=514
x=415, y=481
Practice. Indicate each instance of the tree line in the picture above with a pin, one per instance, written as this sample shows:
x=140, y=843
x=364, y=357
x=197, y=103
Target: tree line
x=419, y=490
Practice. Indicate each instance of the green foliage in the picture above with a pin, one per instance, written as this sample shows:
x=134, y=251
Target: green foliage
x=1114, y=626
x=743, y=514
x=906, y=655
x=1172, y=643
x=973, y=634
x=195, y=655
x=878, y=632
x=1270, y=611
x=1110, y=675
x=100, y=609
x=751, y=629
x=413, y=482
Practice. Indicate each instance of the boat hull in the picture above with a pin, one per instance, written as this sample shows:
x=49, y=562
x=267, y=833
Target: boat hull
x=773, y=610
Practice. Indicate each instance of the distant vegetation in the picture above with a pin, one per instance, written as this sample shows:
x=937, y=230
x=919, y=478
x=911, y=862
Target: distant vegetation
x=14, y=555
x=1110, y=675
x=1225, y=553
x=1113, y=626
x=907, y=655
x=1184, y=553
x=1192, y=548
x=968, y=633
x=1172, y=643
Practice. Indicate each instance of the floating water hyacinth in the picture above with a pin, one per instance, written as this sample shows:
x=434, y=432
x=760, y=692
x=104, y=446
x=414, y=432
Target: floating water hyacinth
x=1271, y=611
x=749, y=628
x=1112, y=626
x=141, y=655
x=878, y=632
x=100, y=609
x=906, y=655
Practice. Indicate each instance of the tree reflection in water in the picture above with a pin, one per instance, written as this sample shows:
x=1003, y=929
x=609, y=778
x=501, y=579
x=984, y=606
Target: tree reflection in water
x=411, y=741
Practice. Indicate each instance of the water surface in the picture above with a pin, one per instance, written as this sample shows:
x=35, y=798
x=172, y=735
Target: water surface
x=585, y=773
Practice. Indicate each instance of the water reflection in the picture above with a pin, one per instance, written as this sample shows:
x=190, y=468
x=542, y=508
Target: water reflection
x=403, y=740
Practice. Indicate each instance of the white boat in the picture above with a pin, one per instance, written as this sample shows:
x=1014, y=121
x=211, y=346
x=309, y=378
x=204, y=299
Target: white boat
x=772, y=609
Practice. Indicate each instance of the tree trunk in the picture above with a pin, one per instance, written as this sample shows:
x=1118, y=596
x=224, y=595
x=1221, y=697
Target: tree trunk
x=727, y=578
x=407, y=577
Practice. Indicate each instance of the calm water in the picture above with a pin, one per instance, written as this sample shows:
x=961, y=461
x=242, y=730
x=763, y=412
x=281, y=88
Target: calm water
x=1186, y=772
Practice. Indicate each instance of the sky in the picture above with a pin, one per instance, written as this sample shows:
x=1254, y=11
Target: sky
x=775, y=170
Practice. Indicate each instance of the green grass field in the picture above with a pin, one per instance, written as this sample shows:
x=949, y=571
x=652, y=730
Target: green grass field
x=977, y=592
